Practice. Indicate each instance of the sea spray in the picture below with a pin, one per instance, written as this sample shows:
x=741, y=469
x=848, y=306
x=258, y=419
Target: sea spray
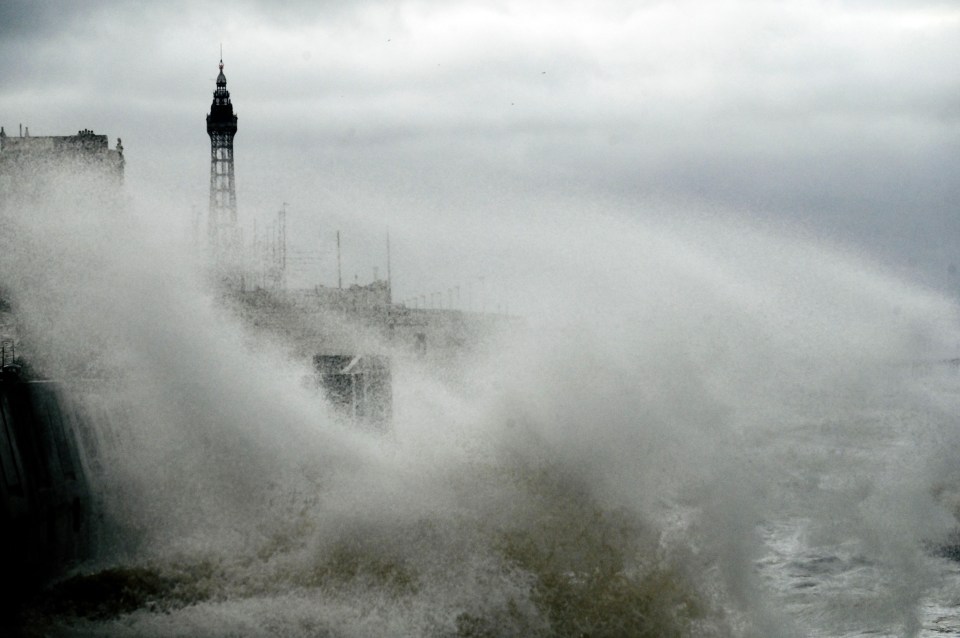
x=609, y=466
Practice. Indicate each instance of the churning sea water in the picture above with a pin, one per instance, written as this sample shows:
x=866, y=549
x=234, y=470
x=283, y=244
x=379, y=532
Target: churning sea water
x=523, y=540
x=831, y=574
x=703, y=429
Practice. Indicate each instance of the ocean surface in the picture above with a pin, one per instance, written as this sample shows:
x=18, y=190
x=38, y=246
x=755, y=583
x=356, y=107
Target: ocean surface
x=824, y=569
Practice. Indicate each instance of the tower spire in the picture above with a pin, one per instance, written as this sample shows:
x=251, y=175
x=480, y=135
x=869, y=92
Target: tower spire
x=222, y=226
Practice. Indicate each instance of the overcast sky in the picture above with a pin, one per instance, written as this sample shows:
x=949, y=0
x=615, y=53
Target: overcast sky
x=441, y=119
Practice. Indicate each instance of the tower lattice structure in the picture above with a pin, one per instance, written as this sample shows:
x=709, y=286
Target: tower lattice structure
x=222, y=229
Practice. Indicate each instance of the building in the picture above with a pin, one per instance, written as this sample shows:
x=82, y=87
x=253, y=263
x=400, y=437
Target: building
x=31, y=165
x=222, y=230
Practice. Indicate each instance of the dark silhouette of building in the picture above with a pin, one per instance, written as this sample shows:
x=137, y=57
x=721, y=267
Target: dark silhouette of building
x=222, y=227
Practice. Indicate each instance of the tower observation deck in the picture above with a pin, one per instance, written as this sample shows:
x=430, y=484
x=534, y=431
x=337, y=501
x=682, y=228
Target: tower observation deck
x=222, y=229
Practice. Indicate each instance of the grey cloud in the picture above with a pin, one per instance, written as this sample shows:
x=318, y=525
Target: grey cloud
x=29, y=19
x=778, y=117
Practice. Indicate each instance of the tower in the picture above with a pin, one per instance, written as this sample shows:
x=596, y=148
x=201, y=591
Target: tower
x=222, y=221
